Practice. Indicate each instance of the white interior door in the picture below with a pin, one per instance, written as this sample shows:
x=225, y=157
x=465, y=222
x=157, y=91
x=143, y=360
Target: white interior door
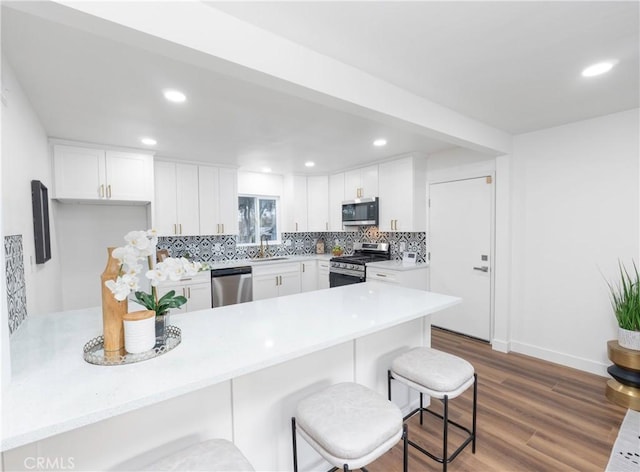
x=460, y=247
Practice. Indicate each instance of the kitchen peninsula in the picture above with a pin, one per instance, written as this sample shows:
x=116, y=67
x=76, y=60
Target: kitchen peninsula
x=237, y=374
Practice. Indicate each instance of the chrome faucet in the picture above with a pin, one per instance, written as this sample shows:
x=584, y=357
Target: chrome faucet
x=264, y=238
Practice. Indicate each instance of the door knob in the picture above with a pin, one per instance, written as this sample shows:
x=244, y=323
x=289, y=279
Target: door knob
x=482, y=269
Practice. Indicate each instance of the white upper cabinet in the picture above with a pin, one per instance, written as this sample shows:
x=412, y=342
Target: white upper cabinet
x=295, y=203
x=403, y=194
x=218, y=200
x=336, y=197
x=359, y=183
x=84, y=173
x=176, y=207
x=318, y=203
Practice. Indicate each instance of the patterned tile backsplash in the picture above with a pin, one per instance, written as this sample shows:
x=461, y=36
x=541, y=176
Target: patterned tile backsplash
x=222, y=248
x=16, y=287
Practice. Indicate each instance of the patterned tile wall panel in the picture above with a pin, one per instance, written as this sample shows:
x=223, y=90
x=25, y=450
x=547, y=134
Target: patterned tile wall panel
x=16, y=286
x=221, y=248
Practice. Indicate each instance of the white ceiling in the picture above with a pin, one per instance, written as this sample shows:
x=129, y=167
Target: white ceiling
x=511, y=65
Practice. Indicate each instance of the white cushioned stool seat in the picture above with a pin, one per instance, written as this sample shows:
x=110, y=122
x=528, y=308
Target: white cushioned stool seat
x=443, y=376
x=348, y=424
x=215, y=455
x=433, y=369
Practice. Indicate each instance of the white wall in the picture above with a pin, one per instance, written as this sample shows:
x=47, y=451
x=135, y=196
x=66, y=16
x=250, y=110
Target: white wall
x=255, y=183
x=25, y=157
x=84, y=233
x=575, y=212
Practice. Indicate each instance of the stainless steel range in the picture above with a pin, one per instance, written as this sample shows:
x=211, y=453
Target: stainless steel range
x=345, y=270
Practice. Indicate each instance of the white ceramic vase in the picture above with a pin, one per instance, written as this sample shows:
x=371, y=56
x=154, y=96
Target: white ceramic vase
x=139, y=331
x=629, y=339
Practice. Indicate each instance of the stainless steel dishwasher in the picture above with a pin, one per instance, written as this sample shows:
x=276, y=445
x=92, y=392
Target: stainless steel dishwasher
x=230, y=286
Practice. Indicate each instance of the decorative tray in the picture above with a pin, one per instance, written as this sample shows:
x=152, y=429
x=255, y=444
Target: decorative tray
x=93, y=351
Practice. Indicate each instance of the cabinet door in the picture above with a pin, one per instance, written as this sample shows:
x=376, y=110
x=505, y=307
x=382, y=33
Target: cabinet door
x=318, y=203
x=369, y=178
x=323, y=274
x=228, y=200
x=198, y=296
x=396, y=195
x=265, y=286
x=289, y=283
x=208, y=190
x=308, y=276
x=296, y=203
x=165, y=209
x=336, y=197
x=129, y=176
x=187, y=199
x=352, y=184
x=79, y=173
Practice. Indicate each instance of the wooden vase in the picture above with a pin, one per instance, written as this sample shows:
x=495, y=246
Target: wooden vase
x=112, y=310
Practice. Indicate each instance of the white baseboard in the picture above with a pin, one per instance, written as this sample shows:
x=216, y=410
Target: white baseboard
x=567, y=360
x=500, y=345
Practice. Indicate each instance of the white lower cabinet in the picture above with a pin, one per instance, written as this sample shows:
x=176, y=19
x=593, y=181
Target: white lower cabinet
x=323, y=274
x=308, y=276
x=196, y=289
x=413, y=278
x=275, y=280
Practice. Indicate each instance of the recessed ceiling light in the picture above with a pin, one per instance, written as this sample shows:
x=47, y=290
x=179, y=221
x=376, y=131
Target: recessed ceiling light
x=380, y=142
x=149, y=141
x=597, y=69
x=266, y=169
x=309, y=164
x=174, y=96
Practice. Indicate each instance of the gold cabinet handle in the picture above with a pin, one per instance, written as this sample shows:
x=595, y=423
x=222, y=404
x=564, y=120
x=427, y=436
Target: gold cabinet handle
x=180, y=225
x=109, y=191
x=222, y=228
x=326, y=226
x=217, y=228
x=381, y=275
x=189, y=292
x=175, y=228
x=101, y=191
x=303, y=267
x=296, y=226
x=276, y=280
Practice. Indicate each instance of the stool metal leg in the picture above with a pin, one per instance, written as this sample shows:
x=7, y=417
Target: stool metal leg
x=421, y=408
x=445, y=458
x=475, y=406
x=295, y=449
x=389, y=385
x=405, y=448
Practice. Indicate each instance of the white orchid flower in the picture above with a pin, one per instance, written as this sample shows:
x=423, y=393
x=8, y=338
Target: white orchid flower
x=156, y=276
x=119, y=288
x=173, y=268
x=152, y=234
x=141, y=242
x=190, y=268
x=127, y=255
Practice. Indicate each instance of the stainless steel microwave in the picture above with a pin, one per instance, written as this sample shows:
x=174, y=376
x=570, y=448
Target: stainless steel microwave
x=360, y=212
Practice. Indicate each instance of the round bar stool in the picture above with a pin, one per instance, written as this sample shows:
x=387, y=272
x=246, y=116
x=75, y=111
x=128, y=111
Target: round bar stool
x=442, y=376
x=349, y=425
x=215, y=455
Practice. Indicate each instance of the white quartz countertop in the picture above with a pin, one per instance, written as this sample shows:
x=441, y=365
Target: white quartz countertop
x=398, y=265
x=267, y=260
x=54, y=390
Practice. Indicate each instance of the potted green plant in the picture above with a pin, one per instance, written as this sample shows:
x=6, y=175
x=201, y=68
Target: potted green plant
x=625, y=299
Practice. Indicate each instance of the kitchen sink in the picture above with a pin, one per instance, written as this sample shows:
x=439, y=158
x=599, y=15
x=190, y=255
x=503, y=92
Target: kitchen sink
x=269, y=259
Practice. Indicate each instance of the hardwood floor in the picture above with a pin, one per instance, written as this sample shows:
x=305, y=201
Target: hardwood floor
x=532, y=416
